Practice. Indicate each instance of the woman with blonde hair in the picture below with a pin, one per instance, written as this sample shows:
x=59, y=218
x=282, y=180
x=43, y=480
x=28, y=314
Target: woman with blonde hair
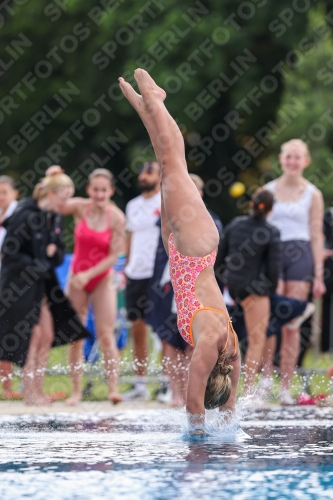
x=34, y=312
x=190, y=238
x=99, y=237
x=298, y=214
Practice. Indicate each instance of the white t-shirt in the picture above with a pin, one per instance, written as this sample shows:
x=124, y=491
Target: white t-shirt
x=141, y=217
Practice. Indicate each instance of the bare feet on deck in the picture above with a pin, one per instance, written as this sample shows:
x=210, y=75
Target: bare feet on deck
x=12, y=395
x=115, y=397
x=37, y=400
x=74, y=399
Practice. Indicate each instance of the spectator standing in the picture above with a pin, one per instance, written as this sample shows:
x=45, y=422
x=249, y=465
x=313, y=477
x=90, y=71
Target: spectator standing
x=298, y=214
x=327, y=312
x=98, y=239
x=8, y=203
x=142, y=213
x=38, y=315
x=250, y=250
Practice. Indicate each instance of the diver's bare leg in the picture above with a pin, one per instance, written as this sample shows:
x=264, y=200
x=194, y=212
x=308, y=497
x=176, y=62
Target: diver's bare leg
x=194, y=230
x=148, y=120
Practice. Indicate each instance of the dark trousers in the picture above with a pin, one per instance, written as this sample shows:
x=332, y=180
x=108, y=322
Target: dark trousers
x=327, y=323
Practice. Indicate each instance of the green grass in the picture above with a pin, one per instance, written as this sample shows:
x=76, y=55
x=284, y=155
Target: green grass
x=61, y=383
x=319, y=384
x=314, y=384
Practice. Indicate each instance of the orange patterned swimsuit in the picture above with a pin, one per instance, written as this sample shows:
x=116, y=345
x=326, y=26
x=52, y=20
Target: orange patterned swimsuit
x=184, y=271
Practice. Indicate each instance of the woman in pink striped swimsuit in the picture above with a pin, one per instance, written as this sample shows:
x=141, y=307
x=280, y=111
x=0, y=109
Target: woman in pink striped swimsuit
x=190, y=238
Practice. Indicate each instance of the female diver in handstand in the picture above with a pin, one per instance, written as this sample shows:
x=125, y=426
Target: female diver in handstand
x=190, y=238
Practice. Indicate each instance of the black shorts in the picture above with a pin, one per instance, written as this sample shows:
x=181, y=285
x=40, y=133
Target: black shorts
x=137, y=303
x=168, y=332
x=297, y=262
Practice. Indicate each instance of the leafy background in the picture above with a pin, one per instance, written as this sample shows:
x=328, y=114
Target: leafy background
x=274, y=32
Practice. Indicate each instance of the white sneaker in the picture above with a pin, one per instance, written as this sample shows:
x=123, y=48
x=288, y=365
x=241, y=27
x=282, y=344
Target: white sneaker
x=285, y=398
x=309, y=310
x=164, y=396
x=136, y=394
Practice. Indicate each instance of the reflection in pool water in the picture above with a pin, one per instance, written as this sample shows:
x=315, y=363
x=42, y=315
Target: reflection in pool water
x=145, y=455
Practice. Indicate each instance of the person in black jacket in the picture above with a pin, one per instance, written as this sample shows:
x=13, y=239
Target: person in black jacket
x=32, y=305
x=327, y=302
x=251, y=254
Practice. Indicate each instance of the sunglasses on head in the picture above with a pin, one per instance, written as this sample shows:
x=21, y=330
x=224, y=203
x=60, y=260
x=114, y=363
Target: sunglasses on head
x=149, y=169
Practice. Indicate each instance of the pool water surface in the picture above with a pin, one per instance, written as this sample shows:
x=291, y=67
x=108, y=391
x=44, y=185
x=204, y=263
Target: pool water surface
x=278, y=453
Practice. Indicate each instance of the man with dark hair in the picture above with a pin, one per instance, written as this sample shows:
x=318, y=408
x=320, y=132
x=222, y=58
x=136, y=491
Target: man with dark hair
x=142, y=213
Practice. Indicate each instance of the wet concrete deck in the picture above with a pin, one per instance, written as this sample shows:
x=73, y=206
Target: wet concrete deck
x=19, y=408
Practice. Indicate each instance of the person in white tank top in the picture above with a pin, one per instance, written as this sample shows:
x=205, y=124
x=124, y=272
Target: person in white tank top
x=292, y=218
x=298, y=214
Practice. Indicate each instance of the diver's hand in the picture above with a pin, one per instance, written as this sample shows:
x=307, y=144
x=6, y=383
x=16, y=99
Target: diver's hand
x=196, y=424
x=197, y=433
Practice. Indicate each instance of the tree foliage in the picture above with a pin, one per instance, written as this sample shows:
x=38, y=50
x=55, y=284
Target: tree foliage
x=220, y=63
x=311, y=82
